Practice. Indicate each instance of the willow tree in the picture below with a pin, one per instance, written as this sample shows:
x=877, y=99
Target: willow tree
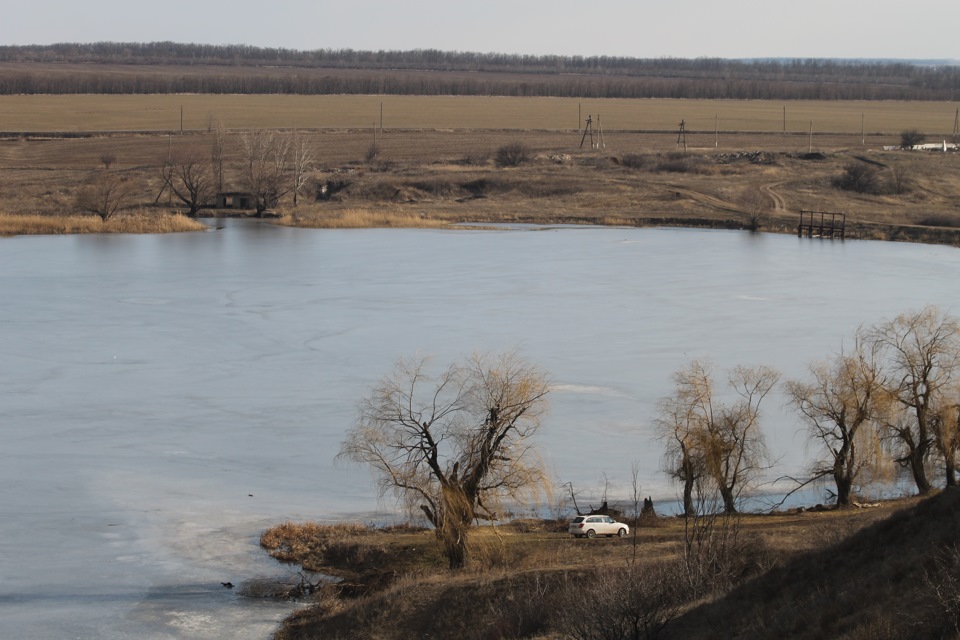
x=455, y=446
x=843, y=403
x=923, y=354
x=721, y=441
x=681, y=417
x=734, y=449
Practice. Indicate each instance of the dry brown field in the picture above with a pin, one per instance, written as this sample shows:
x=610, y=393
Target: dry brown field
x=436, y=159
x=161, y=113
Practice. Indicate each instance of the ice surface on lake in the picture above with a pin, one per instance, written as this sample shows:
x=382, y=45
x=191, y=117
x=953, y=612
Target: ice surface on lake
x=163, y=399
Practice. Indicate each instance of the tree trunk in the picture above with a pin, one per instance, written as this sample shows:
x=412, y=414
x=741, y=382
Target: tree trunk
x=688, y=508
x=844, y=485
x=919, y=472
x=950, y=471
x=729, y=501
x=458, y=515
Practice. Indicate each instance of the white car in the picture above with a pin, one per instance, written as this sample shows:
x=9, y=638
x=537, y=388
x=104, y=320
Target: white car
x=593, y=526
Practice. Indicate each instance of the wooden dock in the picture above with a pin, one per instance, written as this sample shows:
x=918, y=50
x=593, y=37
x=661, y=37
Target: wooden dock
x=822, y=224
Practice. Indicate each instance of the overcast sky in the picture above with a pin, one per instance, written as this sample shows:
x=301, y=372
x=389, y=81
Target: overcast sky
x=912, y=29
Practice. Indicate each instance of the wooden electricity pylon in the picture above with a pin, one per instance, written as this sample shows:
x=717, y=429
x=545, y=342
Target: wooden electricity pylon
x=956, y=126
x=594, y=144
x=588, y=129
x=682, y=135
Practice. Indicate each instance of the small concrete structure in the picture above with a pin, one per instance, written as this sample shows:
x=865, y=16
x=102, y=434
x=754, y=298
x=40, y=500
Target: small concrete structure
x=235, y=200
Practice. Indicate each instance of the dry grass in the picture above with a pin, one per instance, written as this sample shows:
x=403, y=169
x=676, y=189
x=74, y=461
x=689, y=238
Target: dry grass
x=361, y=219
x=520, y=574
x=846, y=585
x=289, y=540
x=36, y=224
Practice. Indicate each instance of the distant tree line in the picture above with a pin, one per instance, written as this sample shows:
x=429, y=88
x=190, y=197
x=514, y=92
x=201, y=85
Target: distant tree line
x=166, y=67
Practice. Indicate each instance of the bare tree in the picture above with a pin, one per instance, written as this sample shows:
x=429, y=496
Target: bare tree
x=188, y=177
x=681, y=417
x=734, y=449
x=266, y=167
x=757, y=206
x=455, y=446
x=843, y=406
x=104, y=194
x=720, y=441
x=911, y=138
x=301, y=162
x=108, y=158
x=923, y=352
x=945, y=425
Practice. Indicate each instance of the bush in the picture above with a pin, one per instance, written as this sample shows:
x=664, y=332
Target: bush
x=678, y=162
x=439, y=187
x=900, y=181
x=633, y=160
x=512, y=155
x=475, y=158
x=482, y=187
x=331, y=188
x=860, y=178
x=911, y=138
x=632, y=602
x=941, y=220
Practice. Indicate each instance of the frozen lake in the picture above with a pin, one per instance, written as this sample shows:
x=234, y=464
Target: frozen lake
x=163, y=399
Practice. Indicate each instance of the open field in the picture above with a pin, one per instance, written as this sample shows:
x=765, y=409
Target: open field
x=161, y=113
x=436, y=160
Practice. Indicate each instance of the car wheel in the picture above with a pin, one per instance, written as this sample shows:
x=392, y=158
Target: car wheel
x=591, y=534
x=621, y=533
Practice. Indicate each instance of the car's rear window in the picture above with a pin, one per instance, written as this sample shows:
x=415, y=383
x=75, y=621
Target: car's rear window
x=578, y=520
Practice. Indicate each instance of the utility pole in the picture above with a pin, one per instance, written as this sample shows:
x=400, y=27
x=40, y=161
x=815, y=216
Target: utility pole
x=811, y=137
x=682, y=135
x=784, y=119
x=716, y=131
x=181, y=119
x=862, y=137
x=588, y=129
x=381, y=118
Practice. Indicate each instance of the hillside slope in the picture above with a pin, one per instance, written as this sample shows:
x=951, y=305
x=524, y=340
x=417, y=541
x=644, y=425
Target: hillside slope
x=875, y=584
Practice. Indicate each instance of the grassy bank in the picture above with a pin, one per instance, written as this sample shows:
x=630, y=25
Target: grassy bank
x=26, y=224
x=763, y=576
x=360, y=219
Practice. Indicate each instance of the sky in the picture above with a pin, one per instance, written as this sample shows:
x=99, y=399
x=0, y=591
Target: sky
x=886, y=29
